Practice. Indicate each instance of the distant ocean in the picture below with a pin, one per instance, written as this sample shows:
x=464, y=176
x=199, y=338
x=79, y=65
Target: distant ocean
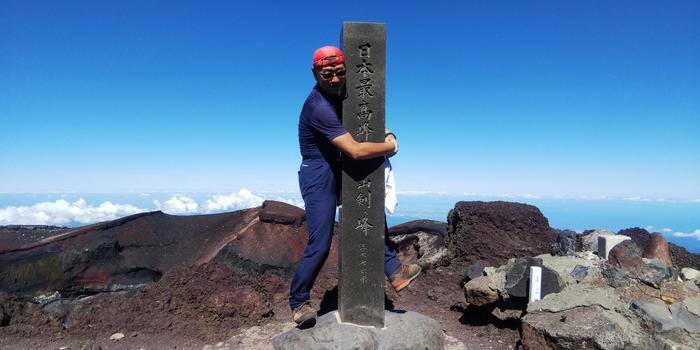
x=677, y=220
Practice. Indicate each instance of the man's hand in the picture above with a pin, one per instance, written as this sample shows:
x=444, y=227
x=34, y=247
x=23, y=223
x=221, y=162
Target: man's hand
x=392, y=139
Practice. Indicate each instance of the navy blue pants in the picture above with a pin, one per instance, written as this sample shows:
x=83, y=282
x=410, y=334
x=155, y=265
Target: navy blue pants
x=319, y=189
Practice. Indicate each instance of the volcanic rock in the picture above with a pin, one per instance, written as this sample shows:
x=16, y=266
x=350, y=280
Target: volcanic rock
x=437, y=228
x=680, y=256
x=615, y=277
x=690, y=274
x=669, y=320
x=281, y=213
x=518, y=278
x=497, y=231
x=579, y=273
x=626, y=256
x=655, y=272
x=421, y=242
x=569, y=329
x=478, y=292
x=473, y=271
x=657, y=248
x=566, y=243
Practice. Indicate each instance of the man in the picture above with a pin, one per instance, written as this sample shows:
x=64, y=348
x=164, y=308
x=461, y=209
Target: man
x=321, y=139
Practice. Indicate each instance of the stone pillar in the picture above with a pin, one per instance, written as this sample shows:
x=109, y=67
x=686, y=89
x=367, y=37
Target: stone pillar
x=361, y=284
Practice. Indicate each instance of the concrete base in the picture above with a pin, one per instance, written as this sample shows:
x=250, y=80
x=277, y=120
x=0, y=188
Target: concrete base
x=402, y=330
x=607, y=242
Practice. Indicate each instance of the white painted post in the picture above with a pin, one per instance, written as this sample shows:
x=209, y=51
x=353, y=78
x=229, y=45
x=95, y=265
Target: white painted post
x=535, y=283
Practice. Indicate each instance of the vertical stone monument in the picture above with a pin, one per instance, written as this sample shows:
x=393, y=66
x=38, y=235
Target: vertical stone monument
x=361, y=285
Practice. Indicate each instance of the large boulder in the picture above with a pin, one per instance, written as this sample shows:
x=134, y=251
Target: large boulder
x=680, y=256
x=281, y=213
x=518, y=278
x=587, y=327
x=497, y=231
x=626, y=256
x=657, y=248
x=566, y=243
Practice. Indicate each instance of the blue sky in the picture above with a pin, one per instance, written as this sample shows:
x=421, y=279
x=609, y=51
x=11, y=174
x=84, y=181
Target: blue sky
x=542, y=98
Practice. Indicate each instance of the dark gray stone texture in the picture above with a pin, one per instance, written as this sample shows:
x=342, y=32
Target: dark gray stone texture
x=361, y=285
x=579, y=273
x=473, y=271
x=654, y=273
x=518, y=278
x=615, y=277
x=665, y=318
x=404, y=330
x=566, y=243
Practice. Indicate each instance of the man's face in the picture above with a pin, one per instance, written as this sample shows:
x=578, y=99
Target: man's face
x=331, y=79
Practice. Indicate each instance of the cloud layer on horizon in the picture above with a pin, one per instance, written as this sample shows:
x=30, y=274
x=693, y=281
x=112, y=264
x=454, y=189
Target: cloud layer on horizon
x=62, y=212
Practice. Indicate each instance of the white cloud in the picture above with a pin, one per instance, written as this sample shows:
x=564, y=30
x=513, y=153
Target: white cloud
x=695, y=234
x=696, y=200
x=178, y=204
x=63, y=212
x=531, y=196
x=587, y=197
x=637, y=199
x=649, y=228
x=666, y=230
x=241, y=200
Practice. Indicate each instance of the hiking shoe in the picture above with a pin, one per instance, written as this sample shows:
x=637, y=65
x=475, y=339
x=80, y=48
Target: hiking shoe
x=304, y=313
x=403, y=276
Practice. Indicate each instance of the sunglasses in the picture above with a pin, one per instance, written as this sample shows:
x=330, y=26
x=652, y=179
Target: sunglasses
x=330, y=74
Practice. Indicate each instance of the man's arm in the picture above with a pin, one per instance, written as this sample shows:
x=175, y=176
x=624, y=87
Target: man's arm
x=364, y=150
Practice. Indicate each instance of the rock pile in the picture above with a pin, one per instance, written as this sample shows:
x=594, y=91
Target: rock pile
x=625, y=301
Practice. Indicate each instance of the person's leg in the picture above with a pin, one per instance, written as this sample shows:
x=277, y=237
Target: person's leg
x=318, y=191
x=391, y=259
x=399, y=275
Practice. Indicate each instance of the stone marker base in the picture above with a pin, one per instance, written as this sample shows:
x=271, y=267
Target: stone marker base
x=402, y=330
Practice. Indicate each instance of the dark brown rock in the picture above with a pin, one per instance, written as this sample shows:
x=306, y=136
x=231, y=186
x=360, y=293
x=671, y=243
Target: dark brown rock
x=497, y=231
x=438, y=228
x=281, y=213
x=657, y=248
x=680, y=256
x=626, y=256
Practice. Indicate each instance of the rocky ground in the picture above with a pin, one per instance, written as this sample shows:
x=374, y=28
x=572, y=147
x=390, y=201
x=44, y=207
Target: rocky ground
x=155, y=281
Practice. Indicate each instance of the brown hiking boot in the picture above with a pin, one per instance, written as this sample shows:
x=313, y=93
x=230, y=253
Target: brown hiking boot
x=304, y=313
x=403, y=276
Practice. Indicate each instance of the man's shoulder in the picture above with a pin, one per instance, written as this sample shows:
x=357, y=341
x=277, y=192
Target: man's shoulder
x=317, y=98
x=317, y=105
